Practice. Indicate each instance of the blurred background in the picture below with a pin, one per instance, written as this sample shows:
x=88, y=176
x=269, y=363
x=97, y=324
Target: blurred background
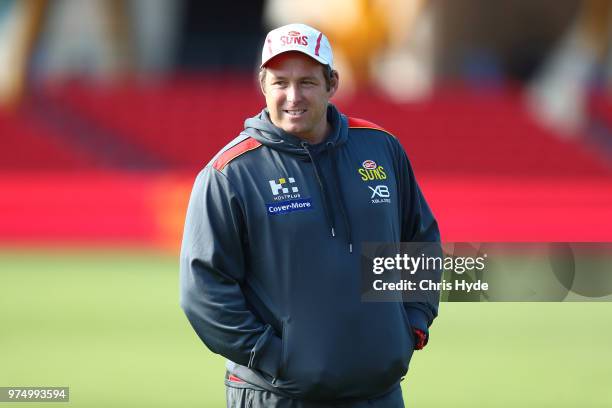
x=109, y=108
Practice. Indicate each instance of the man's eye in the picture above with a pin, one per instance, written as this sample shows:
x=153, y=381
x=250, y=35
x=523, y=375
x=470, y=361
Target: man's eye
x=279, y=83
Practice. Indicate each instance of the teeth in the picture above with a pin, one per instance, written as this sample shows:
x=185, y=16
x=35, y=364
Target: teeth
x=295, y=112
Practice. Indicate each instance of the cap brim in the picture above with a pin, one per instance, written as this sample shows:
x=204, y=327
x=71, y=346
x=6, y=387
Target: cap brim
x=316, y=58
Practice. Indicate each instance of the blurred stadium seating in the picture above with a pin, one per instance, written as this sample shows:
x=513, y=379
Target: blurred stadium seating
x=182, y=123
x=106, y=119
x=30, y=145
x=119, y=159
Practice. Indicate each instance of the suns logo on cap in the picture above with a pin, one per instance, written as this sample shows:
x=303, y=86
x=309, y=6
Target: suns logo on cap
x=294, y=37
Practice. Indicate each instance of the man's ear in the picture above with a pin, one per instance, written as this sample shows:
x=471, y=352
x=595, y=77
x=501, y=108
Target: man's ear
x=334, y=83
x=262, y=81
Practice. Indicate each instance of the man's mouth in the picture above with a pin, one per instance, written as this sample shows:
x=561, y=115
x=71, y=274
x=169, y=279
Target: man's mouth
x=294, y=112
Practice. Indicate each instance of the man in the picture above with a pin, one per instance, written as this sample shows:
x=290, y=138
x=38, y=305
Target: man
x=270, y=258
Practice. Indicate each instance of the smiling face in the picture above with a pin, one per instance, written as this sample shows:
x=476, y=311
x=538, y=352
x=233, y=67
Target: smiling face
x=297, y=95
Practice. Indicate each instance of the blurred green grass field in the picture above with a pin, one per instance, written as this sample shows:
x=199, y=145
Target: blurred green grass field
x=108, y=325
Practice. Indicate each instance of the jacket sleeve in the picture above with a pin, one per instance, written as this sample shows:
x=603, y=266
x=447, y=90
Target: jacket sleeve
x=212, y=269
x=418, y=225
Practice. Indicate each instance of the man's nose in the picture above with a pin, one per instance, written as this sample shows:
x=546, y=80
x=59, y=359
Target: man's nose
x=294, y=94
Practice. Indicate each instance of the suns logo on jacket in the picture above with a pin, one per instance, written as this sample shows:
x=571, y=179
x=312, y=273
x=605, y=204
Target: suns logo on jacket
x=370, y=171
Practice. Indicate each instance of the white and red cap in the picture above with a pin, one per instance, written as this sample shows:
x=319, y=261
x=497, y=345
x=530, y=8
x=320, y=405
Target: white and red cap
x=297, y=37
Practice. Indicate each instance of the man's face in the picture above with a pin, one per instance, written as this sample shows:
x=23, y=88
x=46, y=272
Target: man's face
x=297, y=96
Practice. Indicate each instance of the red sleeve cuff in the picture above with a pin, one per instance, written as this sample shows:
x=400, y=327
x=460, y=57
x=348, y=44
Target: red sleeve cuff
x=420, y=339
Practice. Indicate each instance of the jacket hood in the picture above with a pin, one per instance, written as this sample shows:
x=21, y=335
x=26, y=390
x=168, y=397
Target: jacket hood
x=261, y=128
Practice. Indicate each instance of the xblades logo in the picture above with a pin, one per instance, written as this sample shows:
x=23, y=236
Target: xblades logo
x=380, y=194
x=381, y=191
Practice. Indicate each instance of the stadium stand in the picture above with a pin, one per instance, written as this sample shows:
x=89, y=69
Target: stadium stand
x=29, y=145
x=490, y=173
x=187, y=121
